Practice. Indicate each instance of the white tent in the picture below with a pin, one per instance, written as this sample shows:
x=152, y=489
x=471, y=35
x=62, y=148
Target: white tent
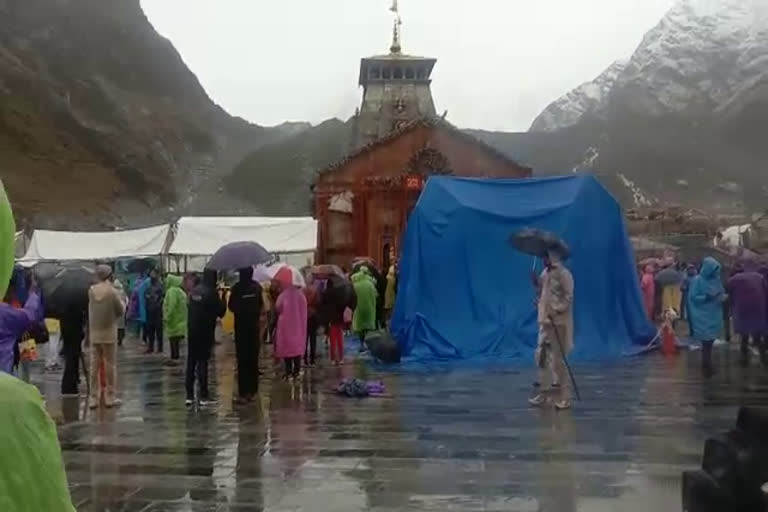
x=20, y=244
x=68, y=245
x=293, y=239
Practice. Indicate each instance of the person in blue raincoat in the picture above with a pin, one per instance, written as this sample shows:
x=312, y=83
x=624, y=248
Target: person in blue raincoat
x=705, y=301
x=141, y=288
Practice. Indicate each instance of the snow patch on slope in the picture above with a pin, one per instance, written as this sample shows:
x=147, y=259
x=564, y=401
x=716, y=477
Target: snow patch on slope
x=588, y=98
x=639, y=198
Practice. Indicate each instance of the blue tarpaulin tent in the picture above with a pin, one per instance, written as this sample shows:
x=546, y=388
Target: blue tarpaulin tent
x=466, y=293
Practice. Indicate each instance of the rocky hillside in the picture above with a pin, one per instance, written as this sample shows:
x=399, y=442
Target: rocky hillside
x=682, y=121
x=276, y=177
x=102, y=123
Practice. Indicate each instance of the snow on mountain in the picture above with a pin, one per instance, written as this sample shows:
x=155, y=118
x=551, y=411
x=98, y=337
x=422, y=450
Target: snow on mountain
x=704, y=55
x=587, y=98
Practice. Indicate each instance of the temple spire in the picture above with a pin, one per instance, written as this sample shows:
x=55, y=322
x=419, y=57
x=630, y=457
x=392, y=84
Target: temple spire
x=396, y=46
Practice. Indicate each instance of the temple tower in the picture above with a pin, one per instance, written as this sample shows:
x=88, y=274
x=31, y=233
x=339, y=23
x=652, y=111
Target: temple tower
x=396, y=90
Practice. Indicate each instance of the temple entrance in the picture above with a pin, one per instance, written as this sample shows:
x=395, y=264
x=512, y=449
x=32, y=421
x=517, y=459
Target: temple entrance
x=387, y=250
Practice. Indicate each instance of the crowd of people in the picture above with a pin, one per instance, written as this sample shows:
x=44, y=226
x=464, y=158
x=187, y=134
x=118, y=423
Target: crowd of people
x=714, y=302
x=185, y=310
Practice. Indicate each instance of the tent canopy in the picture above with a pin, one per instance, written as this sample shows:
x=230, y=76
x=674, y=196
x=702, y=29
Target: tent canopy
x=202, y=236
x=67, y=245
x=465, y=292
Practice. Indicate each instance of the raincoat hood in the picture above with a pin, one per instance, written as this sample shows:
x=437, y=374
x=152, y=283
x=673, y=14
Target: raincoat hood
x=710, y=268
x=172, y=281
x=361, y=274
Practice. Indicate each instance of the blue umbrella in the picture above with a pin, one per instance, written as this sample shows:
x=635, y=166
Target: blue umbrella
x=238, y=255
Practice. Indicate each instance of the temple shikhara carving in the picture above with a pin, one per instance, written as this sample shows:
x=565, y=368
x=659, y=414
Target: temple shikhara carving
x=362, y=202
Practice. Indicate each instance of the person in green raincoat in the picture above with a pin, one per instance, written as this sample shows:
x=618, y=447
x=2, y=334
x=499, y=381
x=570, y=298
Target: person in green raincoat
x=174, y=313
x=7, y=241
x=364, y=318
x=32, y=476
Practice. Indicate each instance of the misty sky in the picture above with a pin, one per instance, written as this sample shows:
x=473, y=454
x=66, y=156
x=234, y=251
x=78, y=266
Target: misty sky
x=500, y=62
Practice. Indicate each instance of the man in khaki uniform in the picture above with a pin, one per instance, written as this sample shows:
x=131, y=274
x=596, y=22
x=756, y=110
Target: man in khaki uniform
x=104, y=311
x=555, y=316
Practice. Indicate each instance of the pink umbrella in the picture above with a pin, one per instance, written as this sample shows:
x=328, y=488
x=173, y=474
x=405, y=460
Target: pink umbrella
x=290, y=276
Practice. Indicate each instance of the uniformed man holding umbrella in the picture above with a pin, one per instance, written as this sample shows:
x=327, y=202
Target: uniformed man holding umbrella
x=555, y=315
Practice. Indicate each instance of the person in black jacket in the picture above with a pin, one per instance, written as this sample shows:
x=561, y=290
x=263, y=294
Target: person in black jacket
x=205, y=306
x=245, y=302
x=153, y=301
x=72, y=334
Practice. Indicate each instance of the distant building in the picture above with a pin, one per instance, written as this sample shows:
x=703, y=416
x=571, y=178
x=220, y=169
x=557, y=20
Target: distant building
x=362, y=203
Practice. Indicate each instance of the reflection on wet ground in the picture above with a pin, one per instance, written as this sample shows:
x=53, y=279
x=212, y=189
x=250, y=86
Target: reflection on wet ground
x=459, y=439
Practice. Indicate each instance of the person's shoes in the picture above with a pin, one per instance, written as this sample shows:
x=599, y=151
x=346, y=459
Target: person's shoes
x=113, y=403
x=537, y=400
x=93, y=403
x=189, y=402
x=149, y=351
x=241, y=400
x=70, y=395
x=562, y=405
x=210, y=401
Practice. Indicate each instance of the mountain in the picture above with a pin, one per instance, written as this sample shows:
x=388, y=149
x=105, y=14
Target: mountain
x=587, y=99
x=276, y=177
x=682, y=121
x=102, y=123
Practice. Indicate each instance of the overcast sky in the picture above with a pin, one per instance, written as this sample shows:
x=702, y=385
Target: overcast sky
x=500, y=62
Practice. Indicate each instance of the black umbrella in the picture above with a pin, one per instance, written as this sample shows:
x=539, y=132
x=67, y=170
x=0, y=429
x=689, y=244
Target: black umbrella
x=237, y=255
x=66, y=290
x=669, y=277
x=539, y=243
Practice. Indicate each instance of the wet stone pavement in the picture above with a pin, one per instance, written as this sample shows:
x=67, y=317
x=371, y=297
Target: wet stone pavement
x=452, y=439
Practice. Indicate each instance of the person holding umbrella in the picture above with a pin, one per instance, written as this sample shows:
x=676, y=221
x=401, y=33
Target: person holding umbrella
x=555, y=314
x=555, y=317
x=245, y=302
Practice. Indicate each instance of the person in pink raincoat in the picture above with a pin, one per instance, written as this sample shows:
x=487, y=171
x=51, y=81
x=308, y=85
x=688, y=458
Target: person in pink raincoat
x=291, y=332
x=648, y=287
